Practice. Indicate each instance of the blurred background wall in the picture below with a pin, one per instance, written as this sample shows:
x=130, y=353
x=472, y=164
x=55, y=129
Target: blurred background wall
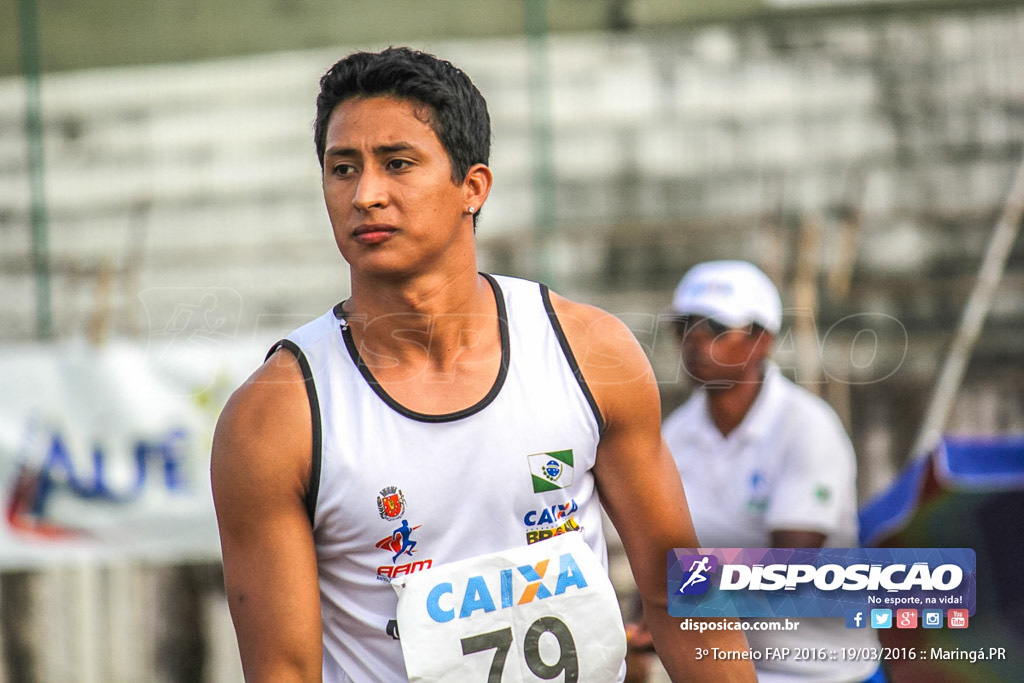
x=159, y=188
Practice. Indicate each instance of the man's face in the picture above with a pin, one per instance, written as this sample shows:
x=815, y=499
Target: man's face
x=716, y=355
x=388, y=188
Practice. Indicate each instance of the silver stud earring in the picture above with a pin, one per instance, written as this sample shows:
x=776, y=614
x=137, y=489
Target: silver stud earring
x=471, y=209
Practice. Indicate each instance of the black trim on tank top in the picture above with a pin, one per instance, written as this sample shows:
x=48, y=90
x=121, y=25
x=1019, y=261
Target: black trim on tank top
x=314, y=409
x=570, y=357
x=499, y=381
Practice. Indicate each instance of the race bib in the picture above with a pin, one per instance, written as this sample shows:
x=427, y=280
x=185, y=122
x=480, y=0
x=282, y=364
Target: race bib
x=542, y=612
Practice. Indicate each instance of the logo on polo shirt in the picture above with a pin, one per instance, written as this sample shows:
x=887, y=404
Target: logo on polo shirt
x=823, y=493
x=758, y=501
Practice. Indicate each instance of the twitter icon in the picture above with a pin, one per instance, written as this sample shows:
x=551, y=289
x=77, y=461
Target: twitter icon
x=881, y=618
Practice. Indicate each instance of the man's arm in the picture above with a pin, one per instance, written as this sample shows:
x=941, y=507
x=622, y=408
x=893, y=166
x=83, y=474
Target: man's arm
x=260, y=470
x=640, y=487
x=815, y=488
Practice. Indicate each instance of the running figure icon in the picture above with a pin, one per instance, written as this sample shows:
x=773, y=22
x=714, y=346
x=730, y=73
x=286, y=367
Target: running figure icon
x=402, y=533
x=697, y=570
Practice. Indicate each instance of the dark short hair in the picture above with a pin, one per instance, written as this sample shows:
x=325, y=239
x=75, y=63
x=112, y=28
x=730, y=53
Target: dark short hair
x=458, y=112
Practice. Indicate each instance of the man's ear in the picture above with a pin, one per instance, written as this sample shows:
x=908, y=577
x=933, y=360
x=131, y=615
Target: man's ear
x=763, y=344
x=477, y=185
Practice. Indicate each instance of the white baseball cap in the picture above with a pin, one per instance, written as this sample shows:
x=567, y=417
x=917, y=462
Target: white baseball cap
x=735, y=293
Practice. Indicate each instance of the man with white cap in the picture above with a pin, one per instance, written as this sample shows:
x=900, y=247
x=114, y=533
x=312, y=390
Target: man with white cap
x=765, y=463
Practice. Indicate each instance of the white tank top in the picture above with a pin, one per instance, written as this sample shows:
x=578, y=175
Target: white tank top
x=394, y=491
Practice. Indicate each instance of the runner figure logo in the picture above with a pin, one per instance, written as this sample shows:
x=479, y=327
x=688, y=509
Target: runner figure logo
x=696, y=581
x=399, y=542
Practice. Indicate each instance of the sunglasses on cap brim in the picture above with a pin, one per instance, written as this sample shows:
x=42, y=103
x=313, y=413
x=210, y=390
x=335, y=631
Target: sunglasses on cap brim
x=691, y=322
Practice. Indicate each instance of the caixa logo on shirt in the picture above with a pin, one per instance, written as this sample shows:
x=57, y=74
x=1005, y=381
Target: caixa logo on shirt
x=554, y=520
x=504, y=589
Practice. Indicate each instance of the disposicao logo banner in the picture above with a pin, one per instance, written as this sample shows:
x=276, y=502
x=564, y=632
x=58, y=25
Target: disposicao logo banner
x=817, y=582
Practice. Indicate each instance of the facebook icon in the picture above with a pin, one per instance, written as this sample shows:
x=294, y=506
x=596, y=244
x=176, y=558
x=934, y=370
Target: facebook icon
x=856, y=619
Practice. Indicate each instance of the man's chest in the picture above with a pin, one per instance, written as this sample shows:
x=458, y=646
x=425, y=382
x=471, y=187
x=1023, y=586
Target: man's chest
x=729, y=488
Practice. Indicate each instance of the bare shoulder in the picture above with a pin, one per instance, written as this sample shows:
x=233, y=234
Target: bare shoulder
x=610, y=359
x=605, y=348
x=264, y=434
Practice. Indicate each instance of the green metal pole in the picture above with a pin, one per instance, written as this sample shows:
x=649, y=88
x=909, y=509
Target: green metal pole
x=544, y=195
x=30, y=68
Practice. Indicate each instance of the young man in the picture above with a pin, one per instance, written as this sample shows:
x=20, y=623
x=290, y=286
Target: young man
x=765, y=463
x=434, y=418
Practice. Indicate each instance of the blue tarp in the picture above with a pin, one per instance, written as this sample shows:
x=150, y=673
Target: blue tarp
x=966, y=493
x=969, y=464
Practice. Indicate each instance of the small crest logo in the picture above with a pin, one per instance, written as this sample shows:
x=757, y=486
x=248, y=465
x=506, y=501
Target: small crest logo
x=696, y=580
x=391, y=503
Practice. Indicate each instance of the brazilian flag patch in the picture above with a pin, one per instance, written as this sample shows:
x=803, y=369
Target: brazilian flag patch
x=551, y=471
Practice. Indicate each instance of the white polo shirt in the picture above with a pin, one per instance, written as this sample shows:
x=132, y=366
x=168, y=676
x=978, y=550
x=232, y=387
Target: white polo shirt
x=788, y=465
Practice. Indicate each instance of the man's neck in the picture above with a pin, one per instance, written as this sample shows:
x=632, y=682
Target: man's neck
x=428, y=319
x=729, y=405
